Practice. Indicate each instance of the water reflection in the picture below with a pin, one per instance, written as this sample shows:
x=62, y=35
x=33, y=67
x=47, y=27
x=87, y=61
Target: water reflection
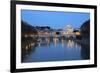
x=55, y=41
x=85, y=51
x=53, y=49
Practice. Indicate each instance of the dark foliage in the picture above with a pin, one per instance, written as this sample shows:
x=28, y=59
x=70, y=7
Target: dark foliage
x=85, y=29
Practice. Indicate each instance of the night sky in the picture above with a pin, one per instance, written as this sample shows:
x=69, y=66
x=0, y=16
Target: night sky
x=56, y=20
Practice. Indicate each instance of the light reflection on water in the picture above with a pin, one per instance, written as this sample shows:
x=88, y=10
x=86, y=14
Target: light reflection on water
x=54, y=49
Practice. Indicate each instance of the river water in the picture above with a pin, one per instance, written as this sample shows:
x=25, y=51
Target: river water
x=55, y=49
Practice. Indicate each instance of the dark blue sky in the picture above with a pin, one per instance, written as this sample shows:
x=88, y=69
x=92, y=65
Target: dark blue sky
x=56, y=20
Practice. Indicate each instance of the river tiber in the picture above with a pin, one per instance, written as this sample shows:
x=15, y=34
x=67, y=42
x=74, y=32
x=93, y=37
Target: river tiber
x=54, y=36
